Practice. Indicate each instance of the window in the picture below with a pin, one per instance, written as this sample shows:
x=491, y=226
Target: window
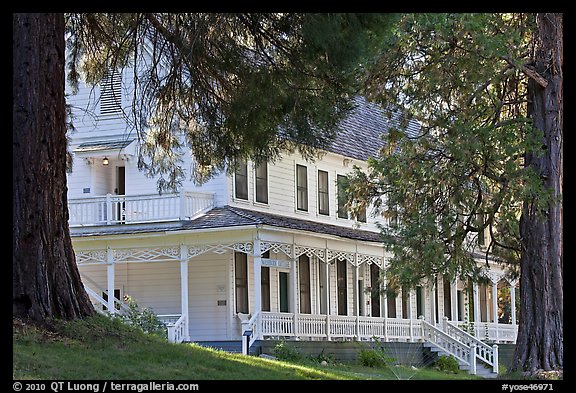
x=342, y=212
x=241, y=281
x=111, y=94
x=304, y=273
x=375, y=293
x=261, y=173
x=301, y=188
x=342, y=287
x=323, y=207
x=265, y=284
x=241, y=181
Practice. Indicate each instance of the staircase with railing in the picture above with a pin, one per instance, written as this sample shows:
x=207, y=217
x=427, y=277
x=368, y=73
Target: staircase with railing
x=472, y=354
x=175, y=323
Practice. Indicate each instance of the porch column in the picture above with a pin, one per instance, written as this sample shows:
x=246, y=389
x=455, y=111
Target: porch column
x=495, y=307
x=454, y=300
x=257, y=283
x=476, y=300
x=432, y=302
x=110, y=280
x=327, y=284
x=513, y=302
x=294, y=288
x=184, y=289
x=384, y=296
x=356, y=301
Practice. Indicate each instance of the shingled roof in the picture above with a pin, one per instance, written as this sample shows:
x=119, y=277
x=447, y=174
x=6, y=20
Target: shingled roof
x=360, y=134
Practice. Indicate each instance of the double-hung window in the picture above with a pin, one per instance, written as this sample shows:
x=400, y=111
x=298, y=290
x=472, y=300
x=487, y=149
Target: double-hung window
x=241, y=181
x=301, y=188
x=323, y=204
x=261, y=175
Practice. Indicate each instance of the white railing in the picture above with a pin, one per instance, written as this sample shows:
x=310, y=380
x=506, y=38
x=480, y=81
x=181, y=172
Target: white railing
x=490, y=331
x=485, y=352
x=120, y=209
x=250, y=332
x=449, y=344
x=176, y=325
x=339, y=326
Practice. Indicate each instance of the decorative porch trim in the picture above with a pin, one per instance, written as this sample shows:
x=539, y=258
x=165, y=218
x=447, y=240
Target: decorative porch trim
x=310, y=252
x=156, y=254
x=370, y=259
x=276, y=248
x=348, y=256
x=196, y=250
x=90, y=257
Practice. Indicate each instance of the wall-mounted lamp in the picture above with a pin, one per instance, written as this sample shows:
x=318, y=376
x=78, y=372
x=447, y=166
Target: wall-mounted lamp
x=105, y=161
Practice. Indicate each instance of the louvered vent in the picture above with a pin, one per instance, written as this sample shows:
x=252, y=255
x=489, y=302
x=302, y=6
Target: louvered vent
x=111, y=95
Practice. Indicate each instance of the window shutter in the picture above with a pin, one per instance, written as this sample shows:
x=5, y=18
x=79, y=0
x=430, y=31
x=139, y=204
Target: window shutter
x=111, y=95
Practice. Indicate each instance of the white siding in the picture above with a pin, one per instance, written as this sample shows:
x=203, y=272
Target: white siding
x=207, y=284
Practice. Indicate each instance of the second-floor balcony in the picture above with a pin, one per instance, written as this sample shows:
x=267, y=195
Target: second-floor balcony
x=126, y=209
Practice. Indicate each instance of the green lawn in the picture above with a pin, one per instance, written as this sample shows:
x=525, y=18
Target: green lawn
x=100, y=348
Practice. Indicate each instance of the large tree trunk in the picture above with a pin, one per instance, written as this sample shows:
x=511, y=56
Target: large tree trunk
x=540, y=336
x=46, y=282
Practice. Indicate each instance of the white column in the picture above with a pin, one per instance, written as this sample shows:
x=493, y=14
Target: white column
x=513, y=302
x=495, y=302
x=184, y=289
x=257, y=284
x=110, y=280
x=293, y=292
x=476, y=300
x=356, y=296
x=384, y=297
x=454, y=300
x=432, y=302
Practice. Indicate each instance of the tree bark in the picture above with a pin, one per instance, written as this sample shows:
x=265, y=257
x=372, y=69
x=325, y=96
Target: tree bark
x=45, y=280
x=540, y=336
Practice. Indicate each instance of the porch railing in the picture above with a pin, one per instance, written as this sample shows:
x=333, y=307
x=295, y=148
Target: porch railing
x=176, y=325
x=338, y=326
x=497, y=332
x=120, y=209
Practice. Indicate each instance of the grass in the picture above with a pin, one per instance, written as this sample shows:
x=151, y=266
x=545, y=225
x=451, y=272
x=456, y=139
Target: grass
x=100, y=348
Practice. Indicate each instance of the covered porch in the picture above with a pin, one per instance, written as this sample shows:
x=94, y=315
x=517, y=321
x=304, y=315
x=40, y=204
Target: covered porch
x=229, y=272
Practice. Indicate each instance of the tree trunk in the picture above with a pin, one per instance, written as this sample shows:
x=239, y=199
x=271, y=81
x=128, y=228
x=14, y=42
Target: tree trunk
x=540, y=335
x=45, y=280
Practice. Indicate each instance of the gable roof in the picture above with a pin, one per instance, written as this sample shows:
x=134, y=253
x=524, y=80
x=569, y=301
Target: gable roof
x=359, y=135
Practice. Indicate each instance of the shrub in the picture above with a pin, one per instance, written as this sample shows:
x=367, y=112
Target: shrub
x=286, y=352
x=447, y=364
x=143, y=318
x=370, y=358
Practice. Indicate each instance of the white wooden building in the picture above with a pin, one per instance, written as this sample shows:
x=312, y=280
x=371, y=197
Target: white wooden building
x=267, y=250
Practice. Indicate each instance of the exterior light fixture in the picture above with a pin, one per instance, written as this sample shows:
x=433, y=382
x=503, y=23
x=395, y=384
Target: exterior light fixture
x=105, y=161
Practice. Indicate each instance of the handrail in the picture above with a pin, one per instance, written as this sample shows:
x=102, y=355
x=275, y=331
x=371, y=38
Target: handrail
x=250, y=329
x=95, y=295
x=441, y=339
x=483, y=351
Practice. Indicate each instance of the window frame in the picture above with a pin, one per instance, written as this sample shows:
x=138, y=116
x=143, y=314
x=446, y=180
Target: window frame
x=301, y=204
x=261, y=180
x=240, y=257
x=237, y=196
x=324, y=195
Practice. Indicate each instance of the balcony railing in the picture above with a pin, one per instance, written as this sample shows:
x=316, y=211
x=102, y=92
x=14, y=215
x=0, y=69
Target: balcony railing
x=127, y=209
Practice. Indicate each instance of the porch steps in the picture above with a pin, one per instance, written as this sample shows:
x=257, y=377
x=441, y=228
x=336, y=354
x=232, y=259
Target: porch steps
x=481, y=369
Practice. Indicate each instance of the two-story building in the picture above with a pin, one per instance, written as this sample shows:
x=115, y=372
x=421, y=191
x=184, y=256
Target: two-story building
x=269, y=249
